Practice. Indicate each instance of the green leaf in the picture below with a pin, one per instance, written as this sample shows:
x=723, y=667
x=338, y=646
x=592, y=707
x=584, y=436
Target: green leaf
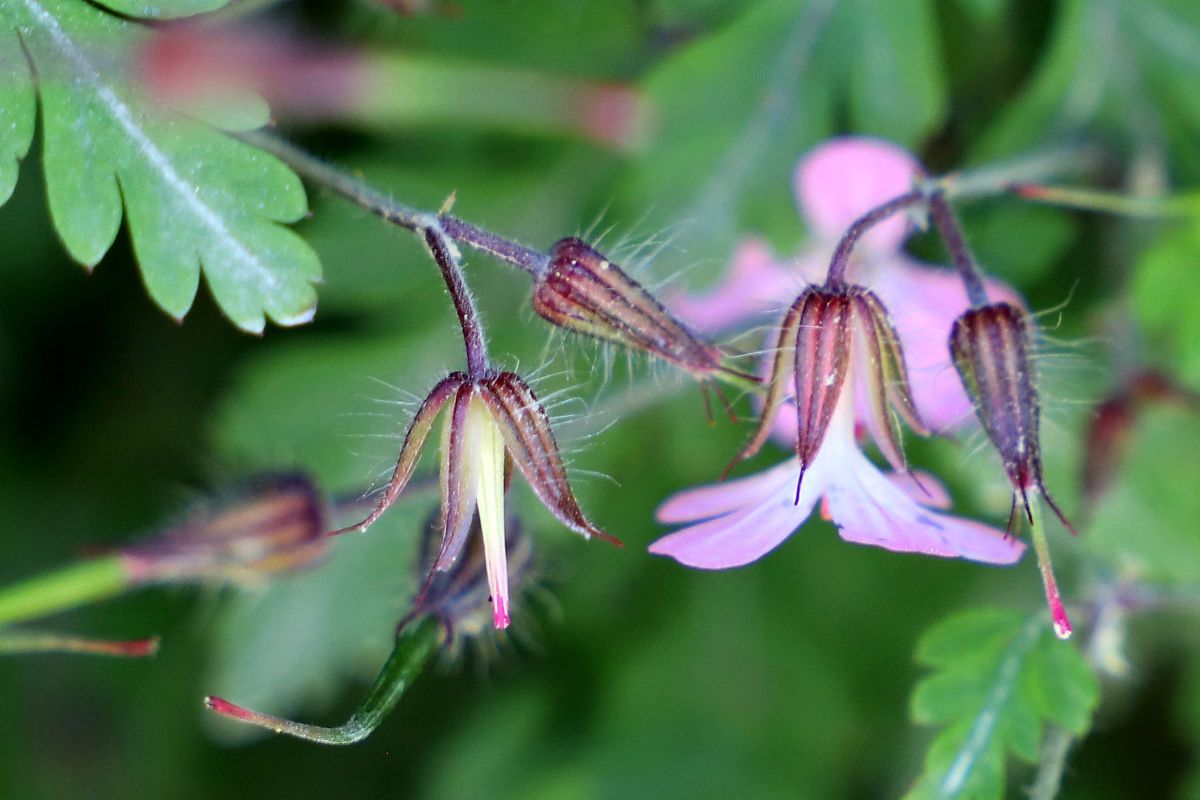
x=1169, y=313
x=1127, y=66
x=1147, y=522
x=999, y=677
x=722, y=167
x=193, y=197
x=170, y=9
x=897, y=87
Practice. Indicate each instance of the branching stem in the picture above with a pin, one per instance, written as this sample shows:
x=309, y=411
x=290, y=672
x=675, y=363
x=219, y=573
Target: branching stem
x=378, y=203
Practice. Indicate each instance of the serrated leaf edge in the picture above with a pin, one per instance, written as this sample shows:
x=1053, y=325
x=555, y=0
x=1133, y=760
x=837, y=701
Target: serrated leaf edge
x=263, y=276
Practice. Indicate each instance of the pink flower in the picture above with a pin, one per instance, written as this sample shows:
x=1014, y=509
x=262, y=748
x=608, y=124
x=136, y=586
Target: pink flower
x=834, y=184
x=837, y=364
x=840, y=357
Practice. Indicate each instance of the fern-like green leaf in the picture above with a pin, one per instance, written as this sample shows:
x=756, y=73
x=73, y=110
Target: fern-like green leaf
x=193, y=198
x=1000, y=677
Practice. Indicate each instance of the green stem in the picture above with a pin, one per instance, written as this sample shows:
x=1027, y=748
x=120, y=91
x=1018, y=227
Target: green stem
x=1062, y=625
x=69, y=587
x=993, y=179
x=1100, y=201
x=415, y=643
x=25, y=642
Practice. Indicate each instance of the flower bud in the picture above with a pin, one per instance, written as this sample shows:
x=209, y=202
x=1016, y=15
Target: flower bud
x=826, y=331
x=582, y=291
x=276, y=525
x=990, y=349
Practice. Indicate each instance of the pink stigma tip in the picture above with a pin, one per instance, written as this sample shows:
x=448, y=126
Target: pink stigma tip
x=227, y=709
x=1062, y=625
x=500, y=615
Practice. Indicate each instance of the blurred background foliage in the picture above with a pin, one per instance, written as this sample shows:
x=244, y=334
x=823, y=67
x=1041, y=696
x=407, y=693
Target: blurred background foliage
x=627, y=676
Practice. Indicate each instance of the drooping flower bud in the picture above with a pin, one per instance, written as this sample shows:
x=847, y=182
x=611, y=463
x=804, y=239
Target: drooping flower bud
x=582, y=291
x=823, y=333
x=275, y=525
x=990, y=349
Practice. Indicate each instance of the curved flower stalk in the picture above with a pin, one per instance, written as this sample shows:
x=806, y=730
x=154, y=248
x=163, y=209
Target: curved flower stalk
x=454, y=607
x=834, y=184
x=494, y=420
x=832, y=338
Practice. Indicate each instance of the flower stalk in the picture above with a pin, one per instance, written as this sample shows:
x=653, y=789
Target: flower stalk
x=415, y=645
x=1058, y=614
x=64, y=589
x=950, y=229
x=841, y=254
x=27, y=642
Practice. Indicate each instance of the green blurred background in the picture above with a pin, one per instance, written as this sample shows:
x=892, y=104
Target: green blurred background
x=627, y=675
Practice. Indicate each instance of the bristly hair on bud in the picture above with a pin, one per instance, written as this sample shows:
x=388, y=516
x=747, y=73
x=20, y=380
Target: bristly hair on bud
x=580, y=290
x=826, y=330
x=990, y=349
x=275, y=524
x=494, y=422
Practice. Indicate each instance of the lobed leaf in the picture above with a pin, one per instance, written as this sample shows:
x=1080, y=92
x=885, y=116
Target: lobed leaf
x=193, y=198
x=999, y=677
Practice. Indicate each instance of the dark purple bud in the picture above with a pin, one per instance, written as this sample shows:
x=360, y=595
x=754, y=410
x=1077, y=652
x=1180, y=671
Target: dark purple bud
x=277, y=525
x=828, y=333
x=582, y=291
x=885, y=383
x=814, y=345
x=530, y=442
x=990, y=348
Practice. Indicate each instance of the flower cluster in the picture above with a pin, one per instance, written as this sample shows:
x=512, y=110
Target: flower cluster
x=877, y=340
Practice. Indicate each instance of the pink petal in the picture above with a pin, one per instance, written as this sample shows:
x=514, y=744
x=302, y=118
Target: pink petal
x=842, y=179
x=870, y=509
x=726, y=497
x=923, y=487
x=756, y=283
x=748, y=532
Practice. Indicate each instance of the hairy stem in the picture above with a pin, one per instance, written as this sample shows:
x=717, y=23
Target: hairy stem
x=995, y=179
x=446, y=255
x=841, y=256
x=415, y=644
x=378, y=203
x=950, y=229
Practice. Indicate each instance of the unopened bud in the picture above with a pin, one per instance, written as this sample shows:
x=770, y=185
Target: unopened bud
x=582, y=291
x=277, y=525
x=990, y=348
x=825, y=332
